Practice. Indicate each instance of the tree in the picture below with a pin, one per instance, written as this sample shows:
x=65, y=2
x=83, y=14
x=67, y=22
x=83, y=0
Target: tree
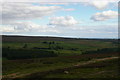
x=25, y=46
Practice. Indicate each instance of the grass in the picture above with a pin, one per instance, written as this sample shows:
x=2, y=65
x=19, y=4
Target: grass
x=69, y=51
x=45, y=64
x=80, y=44
x=69, y=47
x=105, y=69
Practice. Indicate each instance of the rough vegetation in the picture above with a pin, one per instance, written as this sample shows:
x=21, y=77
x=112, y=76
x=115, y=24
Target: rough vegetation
x=52, y=57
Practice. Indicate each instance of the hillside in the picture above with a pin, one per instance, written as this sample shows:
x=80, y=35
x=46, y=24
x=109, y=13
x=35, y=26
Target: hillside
x=26, y=56
x=14, y=38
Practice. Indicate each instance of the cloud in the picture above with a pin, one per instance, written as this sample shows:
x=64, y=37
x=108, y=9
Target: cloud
x=6, y=29
x=19, y=27
x=56, y=1
x=70, y=9
x=26, y=26
x=63, y=21
x=100, y=4
x=25, y=11
x=105, y=15
x=16, y=17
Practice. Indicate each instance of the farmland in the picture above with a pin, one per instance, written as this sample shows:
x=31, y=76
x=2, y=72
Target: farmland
x=56, y=57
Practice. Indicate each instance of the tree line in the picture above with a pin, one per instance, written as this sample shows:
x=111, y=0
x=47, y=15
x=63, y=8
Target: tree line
x=26, y=54
x=104, y=50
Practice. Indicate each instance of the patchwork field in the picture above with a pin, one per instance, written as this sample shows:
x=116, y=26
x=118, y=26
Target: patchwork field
x=56, y=57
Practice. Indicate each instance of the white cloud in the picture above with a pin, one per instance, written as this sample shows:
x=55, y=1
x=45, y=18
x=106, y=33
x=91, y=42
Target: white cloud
x=55, y=0
x=63, y=21
x=16, y=17
x=105, y=15
x=19, y=27
x=25, y=11
x=70, y=9
x=6, y=29
x=26, y=26
x=100, y=4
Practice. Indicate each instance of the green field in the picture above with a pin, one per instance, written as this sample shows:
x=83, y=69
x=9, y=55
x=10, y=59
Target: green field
x=63, y=48
x=50, y=57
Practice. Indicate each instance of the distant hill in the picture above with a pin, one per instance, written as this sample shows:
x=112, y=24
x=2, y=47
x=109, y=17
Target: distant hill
x=14, y=38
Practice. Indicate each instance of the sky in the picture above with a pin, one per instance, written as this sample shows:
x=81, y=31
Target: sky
x=95, y=19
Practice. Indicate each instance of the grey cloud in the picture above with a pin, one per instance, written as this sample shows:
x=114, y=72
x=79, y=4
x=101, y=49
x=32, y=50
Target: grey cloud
x=25, y=11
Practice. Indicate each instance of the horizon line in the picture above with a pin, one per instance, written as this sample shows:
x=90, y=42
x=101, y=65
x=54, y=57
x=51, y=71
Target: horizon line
x=59, y=36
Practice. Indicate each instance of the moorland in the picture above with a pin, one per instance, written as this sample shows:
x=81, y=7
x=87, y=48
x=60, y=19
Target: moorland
x=59, y=57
